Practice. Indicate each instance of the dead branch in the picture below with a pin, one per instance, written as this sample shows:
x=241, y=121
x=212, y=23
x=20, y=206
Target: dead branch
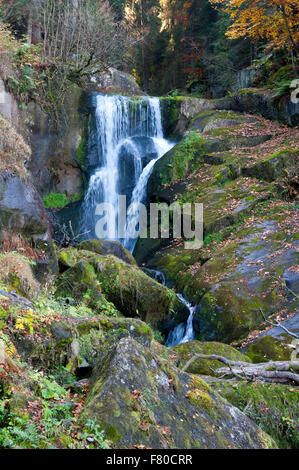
x=279, y=325
x=273, y=371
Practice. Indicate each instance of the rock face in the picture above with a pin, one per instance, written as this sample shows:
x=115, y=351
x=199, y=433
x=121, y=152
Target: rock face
x=21, y=207
x=233, y=164
x=24, y=224
x=8, y=105
x=56, y=153
x=252, y=100
x=115, y=81
x=139, y=399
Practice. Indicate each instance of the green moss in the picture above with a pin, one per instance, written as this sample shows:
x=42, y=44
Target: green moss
x=187, y=350
x=273, y=407
x=59, y=200
x=55, y=200
x=81, y=149
x=268, y=348
x=200, y=398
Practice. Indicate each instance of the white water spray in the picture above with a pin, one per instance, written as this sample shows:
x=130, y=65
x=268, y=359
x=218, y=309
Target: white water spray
x=129, y=140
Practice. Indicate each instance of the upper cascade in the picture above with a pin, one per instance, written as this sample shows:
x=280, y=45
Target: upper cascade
x=129, y=140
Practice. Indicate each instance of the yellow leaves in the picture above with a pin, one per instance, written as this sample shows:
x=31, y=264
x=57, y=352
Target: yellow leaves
x=257, y=19
x=26, y=321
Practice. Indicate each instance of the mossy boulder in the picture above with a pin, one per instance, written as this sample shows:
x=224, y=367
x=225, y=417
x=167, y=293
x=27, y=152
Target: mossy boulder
x=73, y=341
x=185, y=351
x=273, y=167
x=259, y=101
x=127, y=287
x=268, y=348
x=107, y=247
x=241, y=280
x=139, y=398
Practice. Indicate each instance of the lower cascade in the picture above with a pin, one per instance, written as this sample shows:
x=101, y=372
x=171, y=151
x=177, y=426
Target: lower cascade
x=183, y=332
x=129, y=140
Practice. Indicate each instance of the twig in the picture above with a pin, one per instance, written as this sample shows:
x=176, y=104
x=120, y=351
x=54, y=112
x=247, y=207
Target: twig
x=277, y=324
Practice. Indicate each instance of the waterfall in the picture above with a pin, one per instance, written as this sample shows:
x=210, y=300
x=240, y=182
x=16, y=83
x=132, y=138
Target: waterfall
x=183, y=332
x=129, y=141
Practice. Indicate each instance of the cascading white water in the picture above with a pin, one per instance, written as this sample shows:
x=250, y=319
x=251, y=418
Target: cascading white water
x=129, y=141
x=183, y=332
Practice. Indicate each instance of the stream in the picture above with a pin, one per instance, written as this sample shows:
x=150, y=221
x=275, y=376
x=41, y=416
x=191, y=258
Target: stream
x=126, y=142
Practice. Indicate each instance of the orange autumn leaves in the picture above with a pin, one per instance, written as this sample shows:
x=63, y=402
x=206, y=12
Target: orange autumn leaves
x=275, y=21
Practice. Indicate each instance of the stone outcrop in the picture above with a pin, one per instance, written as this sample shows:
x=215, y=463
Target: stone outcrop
x=138, y=398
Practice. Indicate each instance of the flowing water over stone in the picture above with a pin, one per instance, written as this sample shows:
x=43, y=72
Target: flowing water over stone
x=129, y=140
x=184, y=331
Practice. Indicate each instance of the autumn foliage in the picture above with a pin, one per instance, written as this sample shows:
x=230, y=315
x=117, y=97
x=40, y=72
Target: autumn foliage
x=275, y=21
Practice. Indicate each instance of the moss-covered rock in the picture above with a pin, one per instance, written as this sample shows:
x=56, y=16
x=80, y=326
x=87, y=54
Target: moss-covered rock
x=138, y=398
x=224, y=204
x=250, y=268
x=236, y=273
x=107, y=247
x=272, y=167
x=268, y=348
x=185, y=351
x=130, y=290
x=73, y=341
x=259, y=101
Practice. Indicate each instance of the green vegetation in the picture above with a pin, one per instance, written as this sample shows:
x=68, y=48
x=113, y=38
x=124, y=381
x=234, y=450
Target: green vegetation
x=273, y=407
x=59, y=200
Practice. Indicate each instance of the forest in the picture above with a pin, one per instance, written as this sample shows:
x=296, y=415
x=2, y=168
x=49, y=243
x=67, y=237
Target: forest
x=149, y=280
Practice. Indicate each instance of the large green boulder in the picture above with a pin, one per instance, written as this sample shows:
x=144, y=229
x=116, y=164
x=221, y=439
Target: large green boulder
x=139, y=399
x=186, y=351
x=127, y=287
x=268, y=348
